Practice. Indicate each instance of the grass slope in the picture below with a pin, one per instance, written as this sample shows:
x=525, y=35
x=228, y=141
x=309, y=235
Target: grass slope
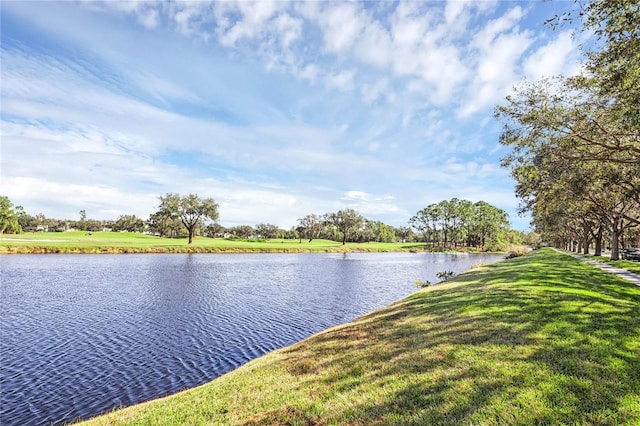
x=540, y=339
x=128, y=242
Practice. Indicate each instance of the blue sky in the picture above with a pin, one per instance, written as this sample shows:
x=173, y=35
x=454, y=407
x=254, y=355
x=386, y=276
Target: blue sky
x=274, y=109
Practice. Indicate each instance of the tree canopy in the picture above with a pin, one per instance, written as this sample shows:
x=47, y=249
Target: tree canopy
x=576, y=140
x=190, y=210
x=461, y=222
x=346, y=221
x=9, y=217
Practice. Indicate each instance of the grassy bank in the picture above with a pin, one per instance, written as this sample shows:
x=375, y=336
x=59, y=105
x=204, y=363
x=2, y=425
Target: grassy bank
x=125, y=242
x=539, y=339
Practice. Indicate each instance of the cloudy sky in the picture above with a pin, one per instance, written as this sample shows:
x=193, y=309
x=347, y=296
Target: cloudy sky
x=274, y=109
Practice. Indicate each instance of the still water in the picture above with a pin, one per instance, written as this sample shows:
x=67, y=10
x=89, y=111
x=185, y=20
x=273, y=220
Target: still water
x=82, y=334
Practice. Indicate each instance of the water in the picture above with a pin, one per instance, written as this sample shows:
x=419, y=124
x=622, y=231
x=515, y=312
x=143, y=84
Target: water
x=82, y=334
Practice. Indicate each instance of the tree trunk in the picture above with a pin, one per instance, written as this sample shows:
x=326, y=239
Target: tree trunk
x=615, y=234
x=586, y=238
x=598, y=248
x=191, y=232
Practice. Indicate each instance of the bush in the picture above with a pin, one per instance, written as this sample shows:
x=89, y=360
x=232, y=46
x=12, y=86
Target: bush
x=422, y=284
x=517, y=251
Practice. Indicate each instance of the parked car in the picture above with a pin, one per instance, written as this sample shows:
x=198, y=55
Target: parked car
x=631, y=254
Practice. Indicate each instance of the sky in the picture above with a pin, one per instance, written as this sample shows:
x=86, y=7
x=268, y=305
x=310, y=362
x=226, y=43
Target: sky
x=274, y=109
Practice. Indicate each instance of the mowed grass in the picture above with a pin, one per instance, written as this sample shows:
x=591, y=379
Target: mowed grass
x=128, y=242
x=629, y=265
x=539, y=339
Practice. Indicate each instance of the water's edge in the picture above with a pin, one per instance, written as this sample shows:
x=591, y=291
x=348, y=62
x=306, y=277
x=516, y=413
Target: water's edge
x=162, y=324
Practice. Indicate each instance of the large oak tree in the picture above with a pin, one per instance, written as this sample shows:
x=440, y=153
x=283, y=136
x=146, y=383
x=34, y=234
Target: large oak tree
x=190, y=209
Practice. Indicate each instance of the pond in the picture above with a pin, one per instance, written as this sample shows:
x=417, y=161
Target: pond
x=82, y=334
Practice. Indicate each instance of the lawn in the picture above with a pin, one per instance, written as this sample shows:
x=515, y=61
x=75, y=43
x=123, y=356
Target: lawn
x=539, y=339
x=624, y=264
x=125, y=242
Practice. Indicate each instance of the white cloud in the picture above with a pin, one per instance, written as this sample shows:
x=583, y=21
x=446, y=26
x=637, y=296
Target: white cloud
x=378, y=90
x=454, y=9
x=289, y=29
x=188, y=16
x=341, y=80
x=342, y=24
x=507, y=23
x=558, y=56
x=254, y=18
x=368, y=204
x=145, y=12
x=356, y=195
x=374, y=46
x=500, y=47
x=100, y=201
x=373, y=96
x=163, y=89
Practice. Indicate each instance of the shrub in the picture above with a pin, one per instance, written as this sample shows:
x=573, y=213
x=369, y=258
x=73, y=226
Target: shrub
x=422, y=284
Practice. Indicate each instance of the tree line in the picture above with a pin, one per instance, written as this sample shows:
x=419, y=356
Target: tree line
x=450, y=223
x=576, y=140
x=461, y=222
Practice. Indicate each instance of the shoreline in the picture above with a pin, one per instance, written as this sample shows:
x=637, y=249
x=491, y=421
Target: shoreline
x=16, y=250
x=409, y=362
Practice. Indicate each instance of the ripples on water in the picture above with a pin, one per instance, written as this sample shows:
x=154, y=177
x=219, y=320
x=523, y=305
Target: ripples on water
x=82, y=334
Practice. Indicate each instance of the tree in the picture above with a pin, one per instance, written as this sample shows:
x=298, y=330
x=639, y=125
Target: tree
x=82, y=224
x=267, y=230
x=612, y=62
x=569, y=141
x=346, y=221
x=368, y=232
x=579, y=138
x=242, y=231
x=383, y=233
x=9, y=217
x=93, y=225
x=421, y=223
x=405, y=234
x=461, y=220
x=490, y=223
x=191, y=210
x=164, y=224
x=310, y=226
x=28, y=222
x=130, y=223
x=214, y=230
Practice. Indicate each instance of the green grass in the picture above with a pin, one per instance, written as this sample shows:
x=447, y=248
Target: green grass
x=624, y=264
x=539, y=339
x=125, y=242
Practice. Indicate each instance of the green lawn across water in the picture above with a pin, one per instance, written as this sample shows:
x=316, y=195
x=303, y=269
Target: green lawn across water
x=539, y=339
x=126, y=242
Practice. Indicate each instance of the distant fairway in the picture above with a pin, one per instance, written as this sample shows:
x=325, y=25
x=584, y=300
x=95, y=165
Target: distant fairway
x=128, y=242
